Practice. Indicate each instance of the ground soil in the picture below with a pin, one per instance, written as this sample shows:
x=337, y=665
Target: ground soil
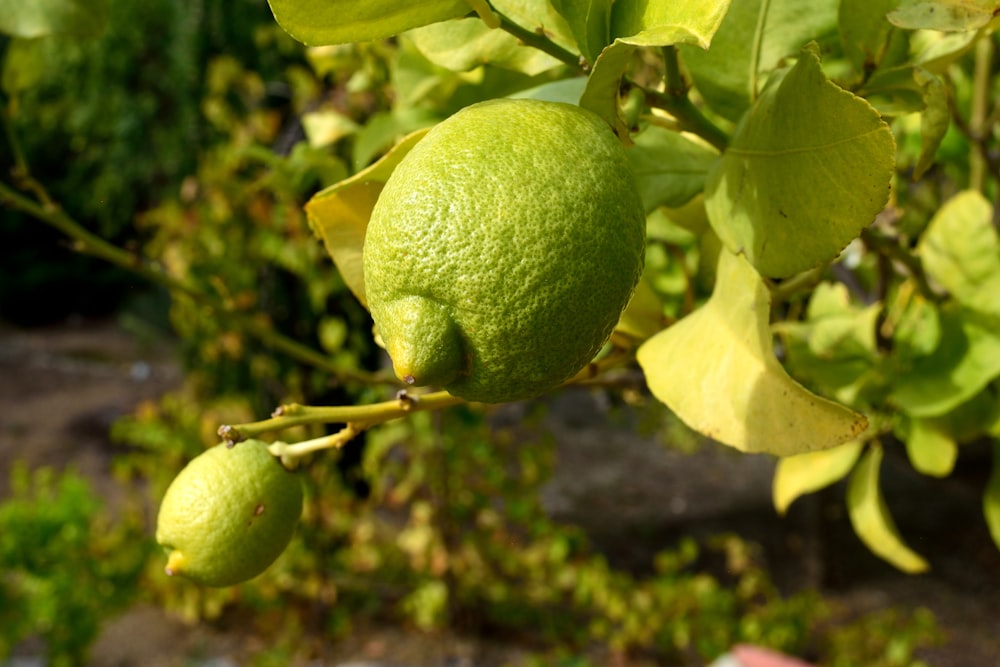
x=61, y=388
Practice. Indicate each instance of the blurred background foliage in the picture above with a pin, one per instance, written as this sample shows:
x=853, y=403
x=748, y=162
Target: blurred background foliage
x=193, y=131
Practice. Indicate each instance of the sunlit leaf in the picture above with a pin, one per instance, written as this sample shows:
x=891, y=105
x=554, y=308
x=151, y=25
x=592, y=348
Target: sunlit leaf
x=796, y=476
x=944, y=15
x=870, y=516
x=730, y=73
x=991, y=497
x=650, y=23
x=931, y=451
x=326, y=127
x=717, y=371
x=960, y=250
x=669, y=168
x=792, y=195
x=865, y=31
x=665, y=22
x=38, y=18
x=316, y=22
x=966, y=360
x=465, y=44
x=339, y=214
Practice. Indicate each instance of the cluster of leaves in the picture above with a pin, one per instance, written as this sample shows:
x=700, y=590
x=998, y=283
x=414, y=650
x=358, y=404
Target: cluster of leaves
x=66, y=565
x=807, y=117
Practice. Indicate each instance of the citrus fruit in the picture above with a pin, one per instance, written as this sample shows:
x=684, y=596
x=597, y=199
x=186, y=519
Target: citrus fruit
x=228, y=514
x=503, y=249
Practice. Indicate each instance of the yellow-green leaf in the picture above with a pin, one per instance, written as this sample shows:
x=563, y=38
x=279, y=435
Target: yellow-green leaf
x=339, y=214
x=944, y=15
x=717, y=371
x=792, y=195
x=931, y=450
x=316, y=22
x=871, y=519
x=643, y=316
x=806, y=473
x=464, y=44
x=665, y=22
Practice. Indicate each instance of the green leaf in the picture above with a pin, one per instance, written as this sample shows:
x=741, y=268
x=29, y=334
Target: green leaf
x=798, y=475
x=590, y=21
x=960, y=250
x=991, y=497
x=717, y=371
x=464, y=44
x=643, y=316
x=339, y=214
x=944, y=15
x=38, y=18
x=965, y=361
x=728, y=75
x=871, y=519
x=669, y=167
x=934, y=120
x=931, y=451
x=666, y=22
x=317, y=22
x=865, y=31
x=601, y=92
x=791, y=195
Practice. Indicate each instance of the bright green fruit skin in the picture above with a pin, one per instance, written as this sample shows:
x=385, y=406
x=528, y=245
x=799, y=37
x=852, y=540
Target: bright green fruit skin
x=503, y=249
x=228, y=514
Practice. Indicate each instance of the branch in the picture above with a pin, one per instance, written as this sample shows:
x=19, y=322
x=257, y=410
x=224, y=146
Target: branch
x=888, y=247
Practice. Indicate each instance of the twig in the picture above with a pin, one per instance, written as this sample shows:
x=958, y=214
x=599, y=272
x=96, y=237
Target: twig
x=888, y=247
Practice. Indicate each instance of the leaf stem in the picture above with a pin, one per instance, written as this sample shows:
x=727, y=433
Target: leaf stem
x=674, y=100
x=757, y=46
x=538, y=40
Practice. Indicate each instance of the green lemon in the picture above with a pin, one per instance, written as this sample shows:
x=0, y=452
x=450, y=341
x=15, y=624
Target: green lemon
x=503, y=249
x=228, y=514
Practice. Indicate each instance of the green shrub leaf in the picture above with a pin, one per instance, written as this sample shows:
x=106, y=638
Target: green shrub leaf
x=931, y=451
x=339, y=214
x=865, y=31
x=665, y=22
x=464, y=44
x=792, y=195
x=590, y=21
x=717, y=371
x=669, y=167
x=798, y=475
x=871, y=519
x=944, y=15
x=729, y=74
x=316, y=22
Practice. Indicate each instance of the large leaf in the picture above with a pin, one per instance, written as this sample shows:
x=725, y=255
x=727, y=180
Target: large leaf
x=717, y=371
x=944, y=15
x=669, y=168
x=339, y=214
x=798, y=475
x=38, y=18
x=749, y=44
x=871, y=519
x=808, y=168
x=316, y=22
x=960, y=250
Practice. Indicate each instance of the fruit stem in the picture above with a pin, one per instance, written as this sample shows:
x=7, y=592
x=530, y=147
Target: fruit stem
x=289, y=454
x=295, y=414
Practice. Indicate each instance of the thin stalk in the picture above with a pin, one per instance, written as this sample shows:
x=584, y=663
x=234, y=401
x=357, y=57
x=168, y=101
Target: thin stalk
x=983, y=62
x=756, y=47
x=539, y=41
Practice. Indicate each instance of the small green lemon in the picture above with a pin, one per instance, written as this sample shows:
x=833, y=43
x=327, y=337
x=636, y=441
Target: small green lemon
x=228, y=514
x=503, y=249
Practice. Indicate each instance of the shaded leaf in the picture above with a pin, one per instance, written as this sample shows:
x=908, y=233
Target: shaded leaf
x=791, y=194
x=871, y=519
x=464, y=44
x=643, y=316
x=339, y=214
x=717, y=371
x=960, y=250
x=316, y=22
x=728, y=74
x=966, y=360
x=38, y=18
x=865, y=31
x=590, y=21
x=796, y=476
x=934, y=120
x=601, y=92
x=669, y=168
x=944, y=15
